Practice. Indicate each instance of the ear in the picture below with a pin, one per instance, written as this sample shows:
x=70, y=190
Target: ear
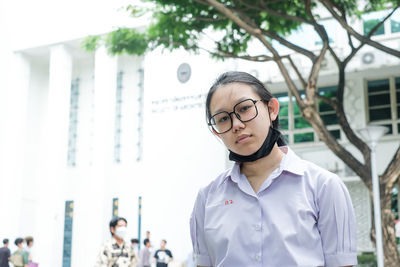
x=273, y=108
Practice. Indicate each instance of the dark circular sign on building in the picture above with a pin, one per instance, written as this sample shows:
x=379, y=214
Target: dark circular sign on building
x=368, y=58
x=184, y=72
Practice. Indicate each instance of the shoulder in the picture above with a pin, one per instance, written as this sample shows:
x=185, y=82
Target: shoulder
x=214, y=185
x=326, y=185
x=108, y=245
x=317, y=174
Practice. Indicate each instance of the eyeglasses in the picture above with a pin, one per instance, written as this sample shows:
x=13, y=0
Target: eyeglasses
x=245, y=111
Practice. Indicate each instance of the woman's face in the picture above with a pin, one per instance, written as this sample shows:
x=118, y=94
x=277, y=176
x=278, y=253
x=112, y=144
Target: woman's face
x=244, y=138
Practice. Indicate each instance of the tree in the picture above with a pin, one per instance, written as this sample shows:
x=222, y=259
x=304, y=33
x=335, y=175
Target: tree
x=183, y=23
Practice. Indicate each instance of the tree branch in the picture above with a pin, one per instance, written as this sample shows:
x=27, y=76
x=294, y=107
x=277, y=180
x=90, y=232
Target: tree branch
x=372, y=31
x=208, y=19
x=358, y=36
x=375, y=28
x=279, y=14
x=225, y=54
x=303, y=82
x=290, y=45
x=391, y=175
x=317, y=64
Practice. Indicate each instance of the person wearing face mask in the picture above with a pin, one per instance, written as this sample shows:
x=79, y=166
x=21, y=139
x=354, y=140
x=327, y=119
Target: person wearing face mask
x=116, y=252
x=271, y=208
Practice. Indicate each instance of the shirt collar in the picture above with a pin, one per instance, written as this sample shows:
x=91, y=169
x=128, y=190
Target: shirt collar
x=290, y=163
x=114, y=242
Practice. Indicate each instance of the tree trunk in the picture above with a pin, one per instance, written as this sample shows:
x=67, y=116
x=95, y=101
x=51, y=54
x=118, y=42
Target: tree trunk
x=392, y=258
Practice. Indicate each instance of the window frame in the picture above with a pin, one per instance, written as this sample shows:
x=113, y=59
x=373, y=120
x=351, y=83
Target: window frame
x=387, y=26
x=292, y=131
x=394, y=121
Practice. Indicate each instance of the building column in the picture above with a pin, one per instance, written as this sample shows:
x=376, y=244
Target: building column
x=93, y=197
x=13, y=109
x=51, y=202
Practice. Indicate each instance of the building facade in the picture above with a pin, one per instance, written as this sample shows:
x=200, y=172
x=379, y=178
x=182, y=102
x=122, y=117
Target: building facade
x=84, y=135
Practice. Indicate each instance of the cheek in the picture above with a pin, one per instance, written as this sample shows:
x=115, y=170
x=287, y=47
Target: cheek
x=227, y=141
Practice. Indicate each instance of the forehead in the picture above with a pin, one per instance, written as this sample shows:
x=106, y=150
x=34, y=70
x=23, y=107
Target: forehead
x=121, y=223
x=226, y=96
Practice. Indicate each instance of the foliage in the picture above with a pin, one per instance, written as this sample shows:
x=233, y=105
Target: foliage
x=184, y=23
x=91, y=43
x=366, y=260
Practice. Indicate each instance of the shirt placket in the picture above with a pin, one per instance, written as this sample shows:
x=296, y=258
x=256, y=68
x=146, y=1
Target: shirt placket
x=258, y=229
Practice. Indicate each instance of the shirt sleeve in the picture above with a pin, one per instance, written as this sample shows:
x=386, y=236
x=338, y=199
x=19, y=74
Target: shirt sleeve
x=337, y=224
x=25, y=258
x=102, y=258
x=197, y=232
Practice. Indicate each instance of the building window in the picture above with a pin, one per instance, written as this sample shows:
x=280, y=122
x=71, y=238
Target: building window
x=395, y=22
x=391, y=26
x=73, y=123
x=295, y=128
x=115, y=207
x=118, y=119
x=67, y=244
x=384, y=103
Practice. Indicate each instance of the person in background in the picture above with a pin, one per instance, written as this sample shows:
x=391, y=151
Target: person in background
x=5, y=254
x=28, y=248
x=148, y=235
x=163, y=256
x=116, y=252
x=144, y=254
x=135, y=245
x=20, y=257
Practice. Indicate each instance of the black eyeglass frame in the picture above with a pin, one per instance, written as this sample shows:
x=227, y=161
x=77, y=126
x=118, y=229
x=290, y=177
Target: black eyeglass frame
x=237, y=115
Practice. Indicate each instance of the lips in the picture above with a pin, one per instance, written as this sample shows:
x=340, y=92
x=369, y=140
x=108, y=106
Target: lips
x=242, y=138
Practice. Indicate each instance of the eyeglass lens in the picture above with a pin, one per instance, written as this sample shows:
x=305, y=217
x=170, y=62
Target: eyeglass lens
x=245, y=111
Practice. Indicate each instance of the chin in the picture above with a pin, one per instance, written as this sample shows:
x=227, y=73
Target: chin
x=244, y=152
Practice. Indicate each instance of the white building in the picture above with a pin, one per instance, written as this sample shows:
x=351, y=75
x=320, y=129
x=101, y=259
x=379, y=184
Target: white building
x=84, y=135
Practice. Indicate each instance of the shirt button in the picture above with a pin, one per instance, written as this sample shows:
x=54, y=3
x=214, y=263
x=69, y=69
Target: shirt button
x=257, y=227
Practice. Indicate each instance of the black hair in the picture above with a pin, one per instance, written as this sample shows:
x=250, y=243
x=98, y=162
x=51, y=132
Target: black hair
x=18, y=241
x=114, y=221
x=134, y=240
x=146, y=241
x=165, y=241
x=241, y=77
x=5, y=241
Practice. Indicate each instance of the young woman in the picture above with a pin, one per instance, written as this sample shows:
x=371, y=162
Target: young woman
x=272, y=208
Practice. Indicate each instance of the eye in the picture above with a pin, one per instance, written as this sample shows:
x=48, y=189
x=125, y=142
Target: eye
x=223, y=119
x=244, y=108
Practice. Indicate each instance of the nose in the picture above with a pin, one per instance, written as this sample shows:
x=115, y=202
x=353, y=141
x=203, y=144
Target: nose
x=236, y=123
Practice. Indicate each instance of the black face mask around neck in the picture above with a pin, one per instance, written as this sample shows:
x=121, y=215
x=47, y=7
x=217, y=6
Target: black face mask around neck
x=266, y=148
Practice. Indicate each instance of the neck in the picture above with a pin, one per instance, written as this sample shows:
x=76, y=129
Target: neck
x=119, y=240
x=258, y=171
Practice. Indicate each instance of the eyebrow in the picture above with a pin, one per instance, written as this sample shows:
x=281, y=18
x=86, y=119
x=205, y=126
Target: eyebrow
x=238, y=100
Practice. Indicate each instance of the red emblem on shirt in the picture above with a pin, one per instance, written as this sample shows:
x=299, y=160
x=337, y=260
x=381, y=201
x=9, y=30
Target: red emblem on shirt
x=228, y=202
